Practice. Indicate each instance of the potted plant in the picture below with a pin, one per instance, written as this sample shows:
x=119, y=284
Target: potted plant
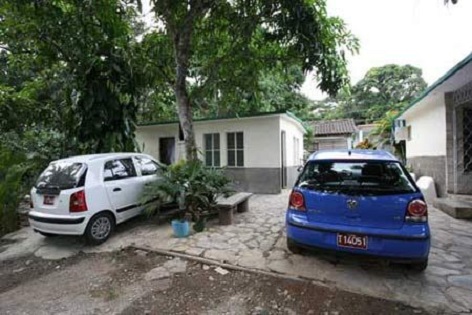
x=194, y=187
x=181, y=226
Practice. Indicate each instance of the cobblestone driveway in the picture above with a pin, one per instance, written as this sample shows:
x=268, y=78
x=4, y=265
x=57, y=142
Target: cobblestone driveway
x=257, y=241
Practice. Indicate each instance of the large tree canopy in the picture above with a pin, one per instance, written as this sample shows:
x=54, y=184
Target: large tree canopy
x=81, y=54
x=222, y=47
x=76, y=75
x=382, y=89
x=277, y=88
x=75, y=70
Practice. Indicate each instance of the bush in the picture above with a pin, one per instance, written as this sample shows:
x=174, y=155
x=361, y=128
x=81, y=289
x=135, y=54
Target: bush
x=22, y=157
x=13, y=167
x=193, y=186
x=37, y=148
x=365, y=144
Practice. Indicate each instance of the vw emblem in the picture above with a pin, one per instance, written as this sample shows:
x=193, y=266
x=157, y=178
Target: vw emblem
x=352, y=204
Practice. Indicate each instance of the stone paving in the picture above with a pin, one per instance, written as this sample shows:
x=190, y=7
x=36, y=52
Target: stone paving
x=257, y=241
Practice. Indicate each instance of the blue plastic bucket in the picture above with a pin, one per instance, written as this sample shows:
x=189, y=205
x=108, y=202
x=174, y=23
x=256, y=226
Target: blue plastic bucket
x=180, y=228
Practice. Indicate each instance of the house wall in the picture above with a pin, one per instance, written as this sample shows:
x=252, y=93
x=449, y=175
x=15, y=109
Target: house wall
x=262, y=147
x=428, y=128
x=426, y=146
x=261, y=172
x=147, y=138
x=293, y=148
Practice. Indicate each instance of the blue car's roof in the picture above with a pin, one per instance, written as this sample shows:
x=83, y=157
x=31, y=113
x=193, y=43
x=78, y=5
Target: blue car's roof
x=355, y=154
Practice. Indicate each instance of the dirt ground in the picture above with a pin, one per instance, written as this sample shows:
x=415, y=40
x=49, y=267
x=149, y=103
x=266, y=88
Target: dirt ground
x=119, y=283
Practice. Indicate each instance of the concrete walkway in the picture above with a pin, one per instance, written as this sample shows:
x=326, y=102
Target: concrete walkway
x=257, y=241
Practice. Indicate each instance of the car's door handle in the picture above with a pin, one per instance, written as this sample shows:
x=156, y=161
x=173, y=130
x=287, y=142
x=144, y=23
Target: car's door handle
x=116, y=189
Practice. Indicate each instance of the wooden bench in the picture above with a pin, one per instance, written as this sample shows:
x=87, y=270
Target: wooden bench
x=238, y=202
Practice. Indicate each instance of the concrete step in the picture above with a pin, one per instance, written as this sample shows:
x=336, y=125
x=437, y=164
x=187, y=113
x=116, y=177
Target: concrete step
x=460, y=197
x=457, y=208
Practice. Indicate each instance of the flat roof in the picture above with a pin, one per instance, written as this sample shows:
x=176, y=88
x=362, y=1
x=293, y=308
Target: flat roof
x=355, y=154
x=233, y=116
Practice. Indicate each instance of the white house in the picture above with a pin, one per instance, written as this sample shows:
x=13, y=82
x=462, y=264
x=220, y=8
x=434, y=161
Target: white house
x=260, y=152
x=437, y=129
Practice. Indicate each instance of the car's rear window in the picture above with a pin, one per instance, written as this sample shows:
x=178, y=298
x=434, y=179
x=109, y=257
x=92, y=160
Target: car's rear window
x=62, y=175
x=359, y=177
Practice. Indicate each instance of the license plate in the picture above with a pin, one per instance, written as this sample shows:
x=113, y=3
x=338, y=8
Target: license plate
x=352, y=241
x=48, y=200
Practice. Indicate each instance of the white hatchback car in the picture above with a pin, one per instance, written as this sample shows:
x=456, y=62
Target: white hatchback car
x=89, y=194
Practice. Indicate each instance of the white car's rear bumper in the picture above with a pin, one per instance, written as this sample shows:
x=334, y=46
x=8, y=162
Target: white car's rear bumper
x=58, y=224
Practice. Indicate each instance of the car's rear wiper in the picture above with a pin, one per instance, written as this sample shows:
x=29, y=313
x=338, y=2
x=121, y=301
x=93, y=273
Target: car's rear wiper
x=309, y=184
x=49, y=189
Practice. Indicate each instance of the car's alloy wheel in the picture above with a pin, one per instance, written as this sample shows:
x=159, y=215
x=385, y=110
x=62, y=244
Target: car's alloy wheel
x=99, y=228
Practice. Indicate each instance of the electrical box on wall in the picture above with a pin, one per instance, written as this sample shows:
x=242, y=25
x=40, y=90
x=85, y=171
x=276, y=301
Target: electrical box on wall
x=401, y=134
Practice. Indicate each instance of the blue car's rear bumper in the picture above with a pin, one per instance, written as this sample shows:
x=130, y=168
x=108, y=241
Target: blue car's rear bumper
x=409, y=243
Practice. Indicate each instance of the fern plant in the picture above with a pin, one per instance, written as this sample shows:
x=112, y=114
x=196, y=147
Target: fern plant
x=193, y=186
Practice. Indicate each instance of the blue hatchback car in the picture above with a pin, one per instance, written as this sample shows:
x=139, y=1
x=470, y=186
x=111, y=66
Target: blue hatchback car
x=361, y=202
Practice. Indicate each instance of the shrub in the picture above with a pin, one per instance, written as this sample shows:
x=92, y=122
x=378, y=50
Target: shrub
x=23, y=156
x=13, y=167
x=193, y=186
x=365, y=144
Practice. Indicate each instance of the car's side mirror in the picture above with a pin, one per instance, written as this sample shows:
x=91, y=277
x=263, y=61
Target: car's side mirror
x=300, y=168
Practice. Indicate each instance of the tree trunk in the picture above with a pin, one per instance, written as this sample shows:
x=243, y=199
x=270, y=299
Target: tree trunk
x=181, y=31
x=184, y=108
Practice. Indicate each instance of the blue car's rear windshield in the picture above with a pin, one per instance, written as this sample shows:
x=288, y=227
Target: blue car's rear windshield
x=356, y=177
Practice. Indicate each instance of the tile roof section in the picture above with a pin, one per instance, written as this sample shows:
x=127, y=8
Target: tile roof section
x=334, y=127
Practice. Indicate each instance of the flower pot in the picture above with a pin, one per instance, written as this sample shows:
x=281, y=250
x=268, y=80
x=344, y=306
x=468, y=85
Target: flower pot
x=180, y=228
x=199, y=225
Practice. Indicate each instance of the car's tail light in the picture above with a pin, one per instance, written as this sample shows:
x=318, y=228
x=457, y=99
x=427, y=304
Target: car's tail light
x=77, y=202
x=297, y=201
x=417, y=211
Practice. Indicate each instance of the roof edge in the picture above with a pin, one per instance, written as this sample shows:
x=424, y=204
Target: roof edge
x=261, y=114
x=298, y=120
x=461, y=64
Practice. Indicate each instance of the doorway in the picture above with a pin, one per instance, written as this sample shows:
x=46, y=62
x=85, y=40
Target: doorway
x=462, y=149
x=167, y=150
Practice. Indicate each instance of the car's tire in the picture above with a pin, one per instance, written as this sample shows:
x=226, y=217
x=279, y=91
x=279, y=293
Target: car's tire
x=47, y=234
x=294, y=248
x=99, y=228
x=419, y=266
